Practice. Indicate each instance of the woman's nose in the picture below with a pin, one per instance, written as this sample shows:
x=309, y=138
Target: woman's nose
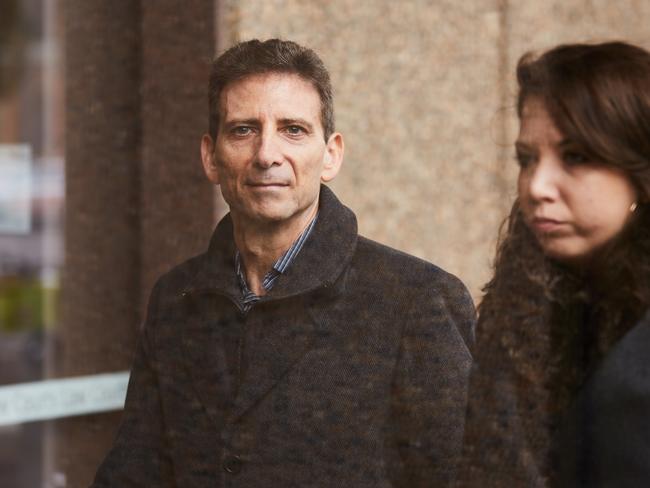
x=542, y=180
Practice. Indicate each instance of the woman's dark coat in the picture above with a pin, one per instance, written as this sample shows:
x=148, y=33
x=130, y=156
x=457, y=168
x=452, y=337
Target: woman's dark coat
x=602, y=440
x=605, y=438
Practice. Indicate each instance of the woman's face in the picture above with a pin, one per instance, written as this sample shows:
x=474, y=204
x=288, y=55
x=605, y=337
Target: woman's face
x=573, y=205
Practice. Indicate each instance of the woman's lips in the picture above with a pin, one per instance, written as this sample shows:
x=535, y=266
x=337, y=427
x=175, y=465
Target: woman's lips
x=547, y=226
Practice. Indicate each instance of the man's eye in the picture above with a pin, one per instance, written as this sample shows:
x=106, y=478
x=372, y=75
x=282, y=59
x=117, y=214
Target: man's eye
x=295, y=130
x=242, y=130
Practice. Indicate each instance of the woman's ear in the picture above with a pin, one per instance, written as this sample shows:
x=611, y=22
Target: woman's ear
x=208, y=159
x=333, y=157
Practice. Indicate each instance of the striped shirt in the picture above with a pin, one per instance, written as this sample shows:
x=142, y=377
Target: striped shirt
x=249, y=298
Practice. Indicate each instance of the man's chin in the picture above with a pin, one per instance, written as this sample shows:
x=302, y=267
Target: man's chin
x=268, y=215
x=271, y=213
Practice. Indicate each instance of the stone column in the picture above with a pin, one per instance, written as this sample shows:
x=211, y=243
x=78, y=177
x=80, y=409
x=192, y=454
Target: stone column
x=177, y=201
x=136, y=203
x=101, y=280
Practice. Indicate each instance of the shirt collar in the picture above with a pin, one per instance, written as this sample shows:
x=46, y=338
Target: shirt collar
x=279, y=267
x=322, y=260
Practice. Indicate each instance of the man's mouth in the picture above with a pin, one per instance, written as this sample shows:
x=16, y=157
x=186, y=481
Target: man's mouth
x=263, y=184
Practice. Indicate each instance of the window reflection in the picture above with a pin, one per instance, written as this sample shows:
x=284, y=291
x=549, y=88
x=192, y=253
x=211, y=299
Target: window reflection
x=31, y=214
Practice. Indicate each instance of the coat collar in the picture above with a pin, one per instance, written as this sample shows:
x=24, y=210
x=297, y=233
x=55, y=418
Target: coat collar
x=322, y=260
x=324, y=256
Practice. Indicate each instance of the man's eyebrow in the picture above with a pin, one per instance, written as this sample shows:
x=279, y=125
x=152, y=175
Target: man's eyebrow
x=233, y=122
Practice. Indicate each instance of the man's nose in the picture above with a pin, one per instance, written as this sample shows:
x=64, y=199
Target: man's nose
x=543, y=180
x=269, y=151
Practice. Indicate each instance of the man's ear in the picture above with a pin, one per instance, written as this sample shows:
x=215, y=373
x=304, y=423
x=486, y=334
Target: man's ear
x=208, y=159
x=333, y=157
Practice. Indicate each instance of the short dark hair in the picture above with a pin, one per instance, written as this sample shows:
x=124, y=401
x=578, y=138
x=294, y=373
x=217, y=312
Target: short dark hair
x=598, y=95
x=271, y=56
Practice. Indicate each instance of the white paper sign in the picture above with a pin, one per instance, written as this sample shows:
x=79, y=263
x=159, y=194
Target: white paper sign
x=15, y=188
x=50, y=399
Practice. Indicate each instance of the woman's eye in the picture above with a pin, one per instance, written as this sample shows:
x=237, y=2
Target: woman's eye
x=523, y=159
x=574, y=157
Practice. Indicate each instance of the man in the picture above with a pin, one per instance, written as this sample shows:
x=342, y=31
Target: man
x=293, y=353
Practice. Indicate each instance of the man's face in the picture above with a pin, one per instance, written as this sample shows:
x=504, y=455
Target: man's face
x=270, y=154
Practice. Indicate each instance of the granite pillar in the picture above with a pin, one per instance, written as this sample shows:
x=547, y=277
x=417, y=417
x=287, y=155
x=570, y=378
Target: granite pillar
x=177, y=211
x=136, y=204
x=101, y=281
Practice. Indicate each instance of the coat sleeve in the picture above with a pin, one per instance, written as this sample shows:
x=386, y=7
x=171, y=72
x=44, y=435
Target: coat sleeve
x=430, y=386
x=138, y=457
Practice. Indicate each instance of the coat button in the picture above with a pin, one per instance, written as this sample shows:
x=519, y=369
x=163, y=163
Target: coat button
x=232, y=464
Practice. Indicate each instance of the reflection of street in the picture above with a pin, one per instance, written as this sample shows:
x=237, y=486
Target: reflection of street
x=29, y=268
x=31, y=218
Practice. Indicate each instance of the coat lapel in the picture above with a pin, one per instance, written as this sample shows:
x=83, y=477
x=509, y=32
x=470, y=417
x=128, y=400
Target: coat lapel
x=204, y=344
x=277, y=342
x=210, y=321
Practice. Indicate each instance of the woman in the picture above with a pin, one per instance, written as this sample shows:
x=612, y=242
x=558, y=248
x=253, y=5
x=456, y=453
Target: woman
x=560, y=393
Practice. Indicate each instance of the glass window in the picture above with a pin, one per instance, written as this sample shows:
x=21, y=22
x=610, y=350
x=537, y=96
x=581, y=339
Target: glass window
x=31, y=213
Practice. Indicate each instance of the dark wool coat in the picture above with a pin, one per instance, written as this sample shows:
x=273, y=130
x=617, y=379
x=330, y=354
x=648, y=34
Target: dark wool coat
x=602, y=440
x=357, y=369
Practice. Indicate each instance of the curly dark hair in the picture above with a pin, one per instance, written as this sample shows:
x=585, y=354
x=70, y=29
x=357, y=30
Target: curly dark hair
x=543, y=326
x=598, y=96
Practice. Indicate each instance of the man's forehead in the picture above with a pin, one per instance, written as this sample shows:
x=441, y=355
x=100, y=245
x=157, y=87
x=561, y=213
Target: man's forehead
x=277, y=89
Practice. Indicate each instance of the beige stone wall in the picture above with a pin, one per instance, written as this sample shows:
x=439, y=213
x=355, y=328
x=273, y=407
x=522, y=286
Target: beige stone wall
x=424, y=93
